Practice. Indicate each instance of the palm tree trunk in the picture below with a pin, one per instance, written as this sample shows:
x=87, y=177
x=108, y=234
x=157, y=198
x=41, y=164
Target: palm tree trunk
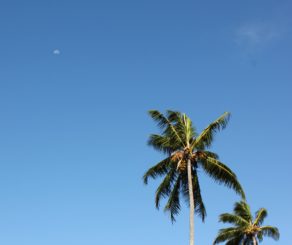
x=254, y=240
x=192, y=205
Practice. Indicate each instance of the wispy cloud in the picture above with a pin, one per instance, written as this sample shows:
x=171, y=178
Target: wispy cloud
x=253, y=38
x=253, y=35
x=56, y=52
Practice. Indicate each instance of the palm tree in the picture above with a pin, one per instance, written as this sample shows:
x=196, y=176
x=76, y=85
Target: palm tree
x=186, y=152
x=247, y=230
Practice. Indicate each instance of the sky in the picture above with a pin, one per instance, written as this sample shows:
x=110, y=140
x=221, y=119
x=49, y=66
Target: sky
x=76, y=81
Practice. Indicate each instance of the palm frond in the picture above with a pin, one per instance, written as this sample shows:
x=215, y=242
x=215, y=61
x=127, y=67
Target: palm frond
x=221, y=173
x=260, y=236
x=206, y=137
x=261, y=214
x=159, y=169
x=182, y=124
x=242, y=209
x=199, y=204
x=271, y=231
x=248, y=240
x=211, y=154
x=159, y=118
x=236, y=241
x=227, y=234
x=173, y=204
x=200, y=209
x=233, y=219
x=167, y=127
x=161, y=143
x=164, y=188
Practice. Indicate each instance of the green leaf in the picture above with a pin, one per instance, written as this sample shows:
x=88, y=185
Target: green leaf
x=198, y=200
x=233, y=219
x=173, y=204
x=159, y=169
x=221, y=173
x=260, y=216
x=164, y=188
x=205, y=139
x=271, y=231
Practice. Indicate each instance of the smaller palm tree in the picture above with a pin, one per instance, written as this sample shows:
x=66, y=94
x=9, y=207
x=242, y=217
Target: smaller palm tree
x=246, y=230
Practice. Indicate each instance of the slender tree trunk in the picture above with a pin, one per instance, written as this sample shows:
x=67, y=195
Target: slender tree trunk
x=254, y=240
x=192, y=205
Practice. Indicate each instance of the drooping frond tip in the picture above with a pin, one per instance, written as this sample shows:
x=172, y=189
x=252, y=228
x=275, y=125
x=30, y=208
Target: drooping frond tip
x=173, y=204
x=220, y=173
x=271, y=231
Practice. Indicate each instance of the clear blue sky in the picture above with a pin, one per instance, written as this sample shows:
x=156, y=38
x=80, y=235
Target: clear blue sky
x=76, y=80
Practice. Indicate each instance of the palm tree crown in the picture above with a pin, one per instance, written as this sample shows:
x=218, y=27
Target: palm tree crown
x=247, y=230
x=181, y=143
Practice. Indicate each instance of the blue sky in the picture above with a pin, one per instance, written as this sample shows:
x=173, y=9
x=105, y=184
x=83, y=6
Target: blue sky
x=76, y=81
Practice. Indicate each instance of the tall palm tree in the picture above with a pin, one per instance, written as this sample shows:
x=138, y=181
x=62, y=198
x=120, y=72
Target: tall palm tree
x=186, y=152
x=247, y=230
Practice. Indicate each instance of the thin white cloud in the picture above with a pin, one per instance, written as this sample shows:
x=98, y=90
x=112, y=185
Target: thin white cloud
x=254, y=37
x=56, y=52
x=256, y=34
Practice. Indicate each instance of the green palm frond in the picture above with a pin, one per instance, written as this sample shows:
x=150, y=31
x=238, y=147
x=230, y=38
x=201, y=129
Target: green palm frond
x=206, y=137
x=211, y=154
x=271, y=231
x=188, y=128
x=233, y=219
x=159, y=169
x=174, y=116
x=248, y=240
x=261, y=214
x=182, y=125
x=236, y=241
x=242, y=209
x=173, y=204
x=221, y=173
x=228, y=234
x=176, y=119
x=164, y=188
x=161, y=143
x=167, y=126
x=260, y=236
x=199, y=204
x=160, y=119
